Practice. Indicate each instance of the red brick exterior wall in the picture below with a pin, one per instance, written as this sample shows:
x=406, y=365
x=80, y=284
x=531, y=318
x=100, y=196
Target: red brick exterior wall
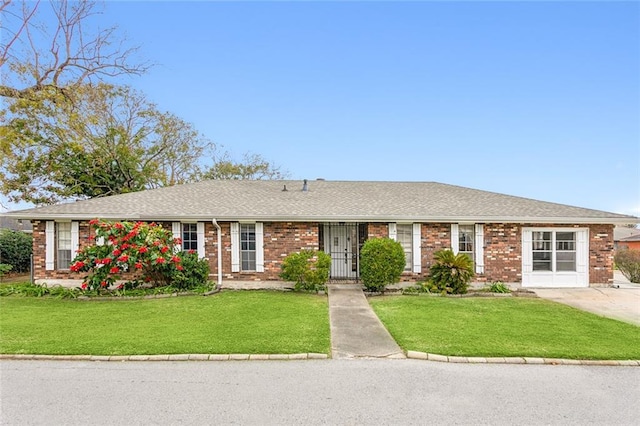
x=502, y=252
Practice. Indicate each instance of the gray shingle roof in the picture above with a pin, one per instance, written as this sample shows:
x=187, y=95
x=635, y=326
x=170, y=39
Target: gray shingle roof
x=324, y=201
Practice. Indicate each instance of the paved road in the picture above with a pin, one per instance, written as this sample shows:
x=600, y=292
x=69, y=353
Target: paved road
x=363, y=391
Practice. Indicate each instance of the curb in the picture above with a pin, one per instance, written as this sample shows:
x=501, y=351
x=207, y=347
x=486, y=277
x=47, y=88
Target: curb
x=171, y=357
x=519, y=360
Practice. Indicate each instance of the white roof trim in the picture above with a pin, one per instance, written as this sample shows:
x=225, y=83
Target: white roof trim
x=380, y=218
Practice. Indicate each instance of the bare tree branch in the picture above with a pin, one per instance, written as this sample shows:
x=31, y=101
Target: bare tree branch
x=73, y=56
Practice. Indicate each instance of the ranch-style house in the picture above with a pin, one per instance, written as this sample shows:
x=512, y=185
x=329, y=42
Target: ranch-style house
x=245, y=229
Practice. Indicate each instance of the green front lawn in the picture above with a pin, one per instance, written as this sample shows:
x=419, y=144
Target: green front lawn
x=228, y=322
x=504, y=327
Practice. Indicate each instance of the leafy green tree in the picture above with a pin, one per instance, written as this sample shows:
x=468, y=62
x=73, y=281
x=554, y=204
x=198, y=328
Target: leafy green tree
x=253, y=166
x=382, y=261
x=109, y=140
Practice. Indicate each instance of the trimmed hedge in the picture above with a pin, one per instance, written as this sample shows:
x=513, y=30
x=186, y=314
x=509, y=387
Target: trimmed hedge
x=15, y=249
x=381, y=263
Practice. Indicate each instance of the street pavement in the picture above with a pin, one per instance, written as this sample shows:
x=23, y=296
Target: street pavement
x=353, y=392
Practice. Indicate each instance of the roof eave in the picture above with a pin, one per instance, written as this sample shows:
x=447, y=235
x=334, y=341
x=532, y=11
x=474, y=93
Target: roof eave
x=343, y=218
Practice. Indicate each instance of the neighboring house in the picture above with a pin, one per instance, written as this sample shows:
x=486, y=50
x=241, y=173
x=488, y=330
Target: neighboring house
x=15, y=224
x=632, y=242
x=625, y=237
x=246, y=228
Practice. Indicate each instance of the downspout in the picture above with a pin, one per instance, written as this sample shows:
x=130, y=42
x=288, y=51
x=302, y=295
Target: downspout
x=219, y=234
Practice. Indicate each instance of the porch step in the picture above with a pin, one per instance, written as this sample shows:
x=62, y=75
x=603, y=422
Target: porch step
x=339, y=281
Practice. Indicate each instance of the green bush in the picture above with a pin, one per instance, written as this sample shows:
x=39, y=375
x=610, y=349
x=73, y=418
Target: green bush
x=194, y=273
x=498, y=287
x=451, y=273
x=4, y=268
x=309, y=269
x=381, y=263
x=37, y=290
x=15, y=249
x=145, y=252
x=628, y=262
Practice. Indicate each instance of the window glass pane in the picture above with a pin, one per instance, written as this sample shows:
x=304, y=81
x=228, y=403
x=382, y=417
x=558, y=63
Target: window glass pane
x=465, y=239
x=404, y=235
x=248, y=247
x=189, y=236
x=560, y=256
x=63, y=236
x=566, y=261
x=565, y=241
x=541, y=266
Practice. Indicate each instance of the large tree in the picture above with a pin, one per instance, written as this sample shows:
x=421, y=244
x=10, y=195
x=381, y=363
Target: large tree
x=49, y=46
x=109, y=140
x=252, y=166
x=66, y=133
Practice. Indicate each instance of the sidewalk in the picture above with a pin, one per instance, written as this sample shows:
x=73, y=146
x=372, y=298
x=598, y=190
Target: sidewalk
x=356, y=331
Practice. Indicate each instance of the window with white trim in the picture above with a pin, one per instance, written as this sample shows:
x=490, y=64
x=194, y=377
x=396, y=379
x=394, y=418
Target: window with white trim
x=554, y=250
x=466, y=236
x=404, y=235
x=63, y=245
x=189, y=236
x=248, y=246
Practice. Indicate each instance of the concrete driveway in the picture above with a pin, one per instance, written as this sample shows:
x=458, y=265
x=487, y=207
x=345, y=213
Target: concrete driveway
x=621, y=302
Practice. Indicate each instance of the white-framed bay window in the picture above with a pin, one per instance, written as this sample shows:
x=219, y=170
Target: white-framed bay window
x=247, y=247
x=468, y=238
x=409, y=237
x=555, y=257
x=61, y=244
x=192, y=236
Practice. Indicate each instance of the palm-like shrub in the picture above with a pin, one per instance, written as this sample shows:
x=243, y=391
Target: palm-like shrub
x=381, y=263
x=451, y=273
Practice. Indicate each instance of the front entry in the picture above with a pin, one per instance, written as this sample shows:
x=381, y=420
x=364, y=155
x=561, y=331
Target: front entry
x=342, y=242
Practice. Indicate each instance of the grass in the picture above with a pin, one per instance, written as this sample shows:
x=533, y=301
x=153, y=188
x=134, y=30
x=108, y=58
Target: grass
x=504, y=327
x=228, y=322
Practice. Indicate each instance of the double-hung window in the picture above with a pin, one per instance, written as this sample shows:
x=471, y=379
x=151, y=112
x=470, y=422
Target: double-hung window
x=63, y=245
x=409, y=236
x=192, y=236
x=248, y=246
x=189, y=236
x=466, y=235
x=469, y=240
x=404, y=235
x=553, y=250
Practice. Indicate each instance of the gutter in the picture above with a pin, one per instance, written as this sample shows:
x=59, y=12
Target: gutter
x=611, y=220
x=219, y=256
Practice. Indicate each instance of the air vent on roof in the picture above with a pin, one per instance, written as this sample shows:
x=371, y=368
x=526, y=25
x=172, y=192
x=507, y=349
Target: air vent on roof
x=305, y=186
x=285, y=188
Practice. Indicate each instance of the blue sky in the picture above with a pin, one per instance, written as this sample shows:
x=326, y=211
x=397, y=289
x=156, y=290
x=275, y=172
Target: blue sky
x=535, y=99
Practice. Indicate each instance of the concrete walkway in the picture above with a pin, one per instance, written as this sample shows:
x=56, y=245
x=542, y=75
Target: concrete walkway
x=621, y=302
x=356, y=331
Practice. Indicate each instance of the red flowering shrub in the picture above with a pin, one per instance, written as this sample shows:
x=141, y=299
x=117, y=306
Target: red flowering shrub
x=144, y=251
